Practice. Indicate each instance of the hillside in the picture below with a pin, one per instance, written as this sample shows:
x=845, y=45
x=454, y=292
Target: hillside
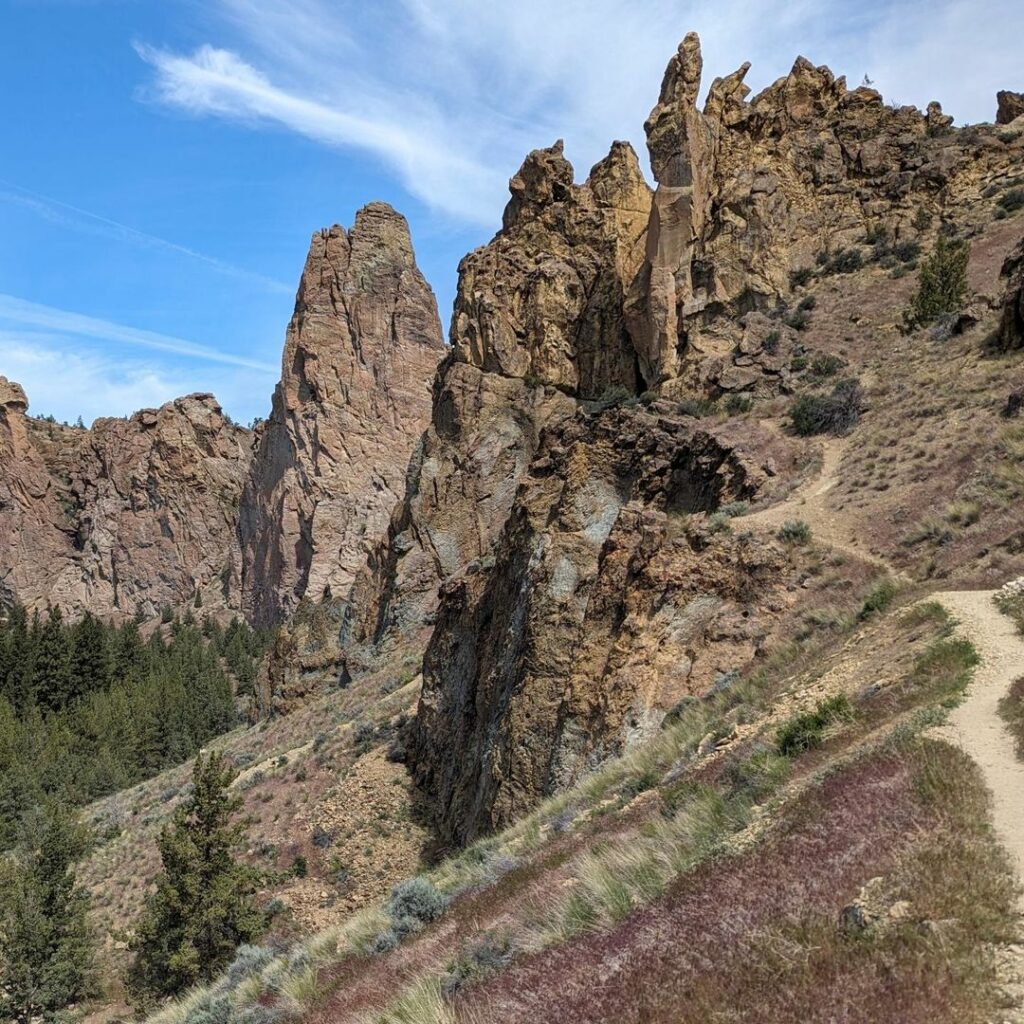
x=658, y=641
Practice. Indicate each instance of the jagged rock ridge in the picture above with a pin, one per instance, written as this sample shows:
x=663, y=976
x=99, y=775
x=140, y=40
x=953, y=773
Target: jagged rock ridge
x=124, y=518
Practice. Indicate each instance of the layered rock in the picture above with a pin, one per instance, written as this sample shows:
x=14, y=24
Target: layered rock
x=353, y=399
x=124, y=518
x=1010, y=333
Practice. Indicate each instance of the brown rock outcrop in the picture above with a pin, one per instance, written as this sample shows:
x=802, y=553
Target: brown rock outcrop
x=598, y=611
x=1010, y=334
x=538, y=322
x=1011, y=106
x=749, y=191
x=354, y=397
x=123, y=518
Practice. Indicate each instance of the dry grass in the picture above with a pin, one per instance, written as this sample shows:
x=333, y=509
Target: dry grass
x=1011, y=708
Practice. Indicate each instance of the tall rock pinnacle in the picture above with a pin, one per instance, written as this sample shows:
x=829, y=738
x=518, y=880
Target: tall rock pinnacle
x=353, y=399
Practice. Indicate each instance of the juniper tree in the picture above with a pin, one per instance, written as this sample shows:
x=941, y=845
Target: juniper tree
x=942, y=285
x=203, y=907
x=46, y=946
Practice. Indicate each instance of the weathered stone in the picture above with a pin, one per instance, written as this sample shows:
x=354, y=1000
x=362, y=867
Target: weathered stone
x=353, y=399
x=1011, y=106
x=123, y=518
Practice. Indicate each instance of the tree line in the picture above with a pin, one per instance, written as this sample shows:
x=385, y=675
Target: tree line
x=88, y=708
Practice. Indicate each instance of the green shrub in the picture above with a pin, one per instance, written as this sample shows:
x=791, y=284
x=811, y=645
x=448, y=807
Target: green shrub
x=734, y=508
x=1012, y=200
x=805, y=731
x=697, y=407
x=826, y=365
x=794, y=531
x=735, y=405
x=878, y=600
x=835, y=413
x=942, y=286
x=845, y=261
x=771, y=342
x=799, y=277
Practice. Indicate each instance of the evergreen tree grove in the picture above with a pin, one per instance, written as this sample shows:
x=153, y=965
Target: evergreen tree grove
x=204, y=904
x=46, y=947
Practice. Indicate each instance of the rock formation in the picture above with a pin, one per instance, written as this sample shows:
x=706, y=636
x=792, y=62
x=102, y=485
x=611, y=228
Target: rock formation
x=353, y=399
x=1010, y=334
x=599, y=610
x=126, y=517
x=1011, y=106
x=750, y=191
x=538, y=322
x=537, y=548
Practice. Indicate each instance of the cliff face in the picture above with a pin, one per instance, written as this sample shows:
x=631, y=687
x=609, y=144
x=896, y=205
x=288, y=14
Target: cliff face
x=354, y=397
x=539, y=548
x=123, y=518
x=537, y=323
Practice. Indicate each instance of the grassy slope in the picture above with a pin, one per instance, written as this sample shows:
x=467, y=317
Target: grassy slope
x=689, y=874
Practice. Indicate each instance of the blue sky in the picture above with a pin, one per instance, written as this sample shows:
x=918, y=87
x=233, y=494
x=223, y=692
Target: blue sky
x=164, y=162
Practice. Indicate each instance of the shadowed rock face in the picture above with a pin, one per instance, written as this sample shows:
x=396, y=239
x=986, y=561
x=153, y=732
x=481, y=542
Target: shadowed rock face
x=354, y=397
x=537, y=323
x=1011, y=327
x=586, y=623
x=1011, y=106
x=123, y=518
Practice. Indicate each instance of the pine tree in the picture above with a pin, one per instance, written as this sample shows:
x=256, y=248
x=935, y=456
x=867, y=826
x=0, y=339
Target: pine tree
x=46, y=946
x=203, y=907
x=52, y=668
x=90, y=657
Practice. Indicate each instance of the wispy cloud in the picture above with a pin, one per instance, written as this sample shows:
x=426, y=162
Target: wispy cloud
x=66, y=215
x=450, y=94
x=15, y=311
x=63, y=379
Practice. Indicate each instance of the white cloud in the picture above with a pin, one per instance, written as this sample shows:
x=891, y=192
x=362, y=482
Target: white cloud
x=451, y=94
x=19, y=312
x=64, y=379
x=66, y=215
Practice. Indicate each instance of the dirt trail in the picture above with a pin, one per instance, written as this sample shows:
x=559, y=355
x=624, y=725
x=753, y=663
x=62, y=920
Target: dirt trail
x=809, y=502
x=976, y=724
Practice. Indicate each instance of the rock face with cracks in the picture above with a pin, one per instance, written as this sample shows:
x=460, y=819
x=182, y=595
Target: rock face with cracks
x=1010, y=334
x=124, y=518
x=353, y=399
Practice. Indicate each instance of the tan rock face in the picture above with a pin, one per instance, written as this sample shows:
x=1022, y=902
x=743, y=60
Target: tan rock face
x=752, y=190
x=354, y=397
x=1011, y=327
x=596, y=614
x=128, y=516
x=538, y=321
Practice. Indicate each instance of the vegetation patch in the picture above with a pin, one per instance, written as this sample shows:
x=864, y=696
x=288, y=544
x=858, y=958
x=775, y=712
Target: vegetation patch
x=1011, y=708
x=835, y=413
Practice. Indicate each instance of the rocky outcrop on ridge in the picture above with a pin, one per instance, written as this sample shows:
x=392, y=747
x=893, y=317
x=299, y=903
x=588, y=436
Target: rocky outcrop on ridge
x=536, y=545
x=538, y=323
x=353, y=399
x=1011, y=106
x=124, y=518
